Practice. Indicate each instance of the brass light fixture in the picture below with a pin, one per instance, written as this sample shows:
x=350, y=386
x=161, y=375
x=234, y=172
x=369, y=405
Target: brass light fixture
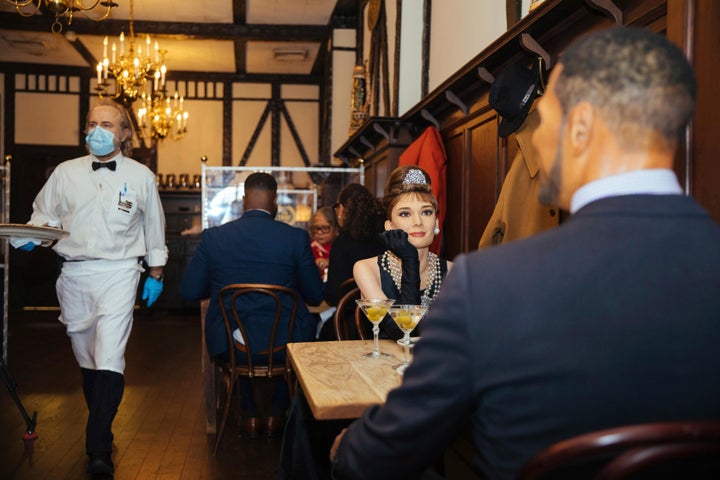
x=140, y=73
x=64, y=9
x=161, y=117
x=131, y=66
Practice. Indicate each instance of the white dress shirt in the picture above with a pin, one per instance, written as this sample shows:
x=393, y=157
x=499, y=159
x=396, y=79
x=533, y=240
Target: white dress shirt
x=111, y=215
x=657, y=181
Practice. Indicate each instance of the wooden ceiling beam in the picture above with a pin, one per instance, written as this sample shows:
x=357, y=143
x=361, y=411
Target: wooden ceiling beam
x=220, y=31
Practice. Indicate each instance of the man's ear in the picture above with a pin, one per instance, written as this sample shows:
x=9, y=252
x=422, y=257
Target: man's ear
x=580, y=124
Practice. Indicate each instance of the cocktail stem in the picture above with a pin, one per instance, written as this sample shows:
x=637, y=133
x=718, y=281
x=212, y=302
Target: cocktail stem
x=376, y=342
x=406, y=345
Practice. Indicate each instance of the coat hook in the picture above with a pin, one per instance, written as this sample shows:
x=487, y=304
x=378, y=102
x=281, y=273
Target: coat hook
x=354, y=152
x=529, y=44
x=367, y=143
x=452, y=98
x=608, y=7
x=484, y=74
x=378, y=128
x=428, y=116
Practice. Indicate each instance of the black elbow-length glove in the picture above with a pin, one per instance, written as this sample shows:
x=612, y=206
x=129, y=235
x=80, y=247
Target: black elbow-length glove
x=409, y=290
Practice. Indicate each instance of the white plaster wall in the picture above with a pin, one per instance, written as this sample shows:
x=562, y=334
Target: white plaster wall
x=410, y=55
x=343, y=63
x=204, y=137
x=460, y=30
x=46, y=118
x=2, y=115
x=246, y=115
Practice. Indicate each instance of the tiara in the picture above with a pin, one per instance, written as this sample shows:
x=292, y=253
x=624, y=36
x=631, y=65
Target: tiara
x=415, y=176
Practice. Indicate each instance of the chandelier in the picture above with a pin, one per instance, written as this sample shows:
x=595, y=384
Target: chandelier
x=161, y=117
x=63, y=9
x=141, y=74
x=131, y=66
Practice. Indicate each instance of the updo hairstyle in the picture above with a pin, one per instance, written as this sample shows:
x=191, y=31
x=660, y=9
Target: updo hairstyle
x=407, y=180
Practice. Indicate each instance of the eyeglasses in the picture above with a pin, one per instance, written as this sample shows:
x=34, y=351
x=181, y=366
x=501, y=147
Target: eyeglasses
x=322, y=228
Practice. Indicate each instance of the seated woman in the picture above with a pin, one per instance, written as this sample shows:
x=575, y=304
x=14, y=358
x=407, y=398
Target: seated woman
x=323, y=230
x=407, y=271
x=360, y=216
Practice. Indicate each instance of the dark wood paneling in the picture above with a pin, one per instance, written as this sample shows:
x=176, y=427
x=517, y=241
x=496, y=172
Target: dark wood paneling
x=457, y=193
x=486, y=162
x=705, y=172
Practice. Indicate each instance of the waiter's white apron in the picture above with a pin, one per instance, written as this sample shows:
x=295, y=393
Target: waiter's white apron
x=97, y=298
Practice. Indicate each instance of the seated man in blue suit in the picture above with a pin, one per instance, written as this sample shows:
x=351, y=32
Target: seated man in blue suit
x=610, y=319
x=255, y=249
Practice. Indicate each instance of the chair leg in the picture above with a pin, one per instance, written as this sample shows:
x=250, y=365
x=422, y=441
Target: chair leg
x=226, y=410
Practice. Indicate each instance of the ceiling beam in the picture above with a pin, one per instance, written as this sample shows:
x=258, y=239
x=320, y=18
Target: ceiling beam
x=239, y=12
x=221, y=31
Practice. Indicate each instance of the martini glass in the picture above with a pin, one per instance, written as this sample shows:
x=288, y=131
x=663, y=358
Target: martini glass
x=406, y=317
x=375, y=310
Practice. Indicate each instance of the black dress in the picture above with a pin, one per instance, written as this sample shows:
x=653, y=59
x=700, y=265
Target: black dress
x=388, y=329
x=345, y=251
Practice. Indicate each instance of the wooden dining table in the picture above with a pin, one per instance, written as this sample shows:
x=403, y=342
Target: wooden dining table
x=338, y=381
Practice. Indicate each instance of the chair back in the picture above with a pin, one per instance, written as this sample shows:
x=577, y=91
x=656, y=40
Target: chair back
x=227, y=299
x=655, y=450
x=347, y=285
x=348, y=318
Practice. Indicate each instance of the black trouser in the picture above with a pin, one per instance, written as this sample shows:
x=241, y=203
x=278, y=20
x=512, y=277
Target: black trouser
x=103, y=391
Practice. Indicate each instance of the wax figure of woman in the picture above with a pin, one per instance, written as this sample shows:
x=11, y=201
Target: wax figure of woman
x=360, y=215
x=407, y=271
x=323, y=231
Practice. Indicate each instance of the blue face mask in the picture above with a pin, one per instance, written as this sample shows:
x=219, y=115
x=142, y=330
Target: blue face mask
x=100, y=141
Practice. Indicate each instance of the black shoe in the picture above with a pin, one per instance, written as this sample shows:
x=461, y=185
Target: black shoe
x=100, y=464
x=251, y=427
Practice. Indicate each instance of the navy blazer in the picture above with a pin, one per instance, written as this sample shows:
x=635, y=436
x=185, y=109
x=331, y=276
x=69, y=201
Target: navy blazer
x=254, y=249
x=613, y=318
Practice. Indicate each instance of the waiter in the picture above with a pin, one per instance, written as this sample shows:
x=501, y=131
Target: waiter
x=110, y=205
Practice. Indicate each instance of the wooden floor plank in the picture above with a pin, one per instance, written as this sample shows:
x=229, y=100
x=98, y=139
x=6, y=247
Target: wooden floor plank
x=160, y=427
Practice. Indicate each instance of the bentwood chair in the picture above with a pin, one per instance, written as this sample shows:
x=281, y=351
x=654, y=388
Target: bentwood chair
x=255, y=361
x=348, y=319
x=682, y=450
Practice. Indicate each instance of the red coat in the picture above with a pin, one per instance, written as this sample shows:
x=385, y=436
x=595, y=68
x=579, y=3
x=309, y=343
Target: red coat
x=428, y=153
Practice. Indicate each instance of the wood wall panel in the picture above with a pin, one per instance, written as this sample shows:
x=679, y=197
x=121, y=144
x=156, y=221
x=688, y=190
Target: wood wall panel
x=705, y=172
x=487, y=159
x=457, y=194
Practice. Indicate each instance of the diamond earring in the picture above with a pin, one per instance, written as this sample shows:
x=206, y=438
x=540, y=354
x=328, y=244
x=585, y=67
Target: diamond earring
x=436, y=230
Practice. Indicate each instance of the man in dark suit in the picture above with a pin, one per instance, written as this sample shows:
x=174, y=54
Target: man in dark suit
x=255, y=249
x=610, y=319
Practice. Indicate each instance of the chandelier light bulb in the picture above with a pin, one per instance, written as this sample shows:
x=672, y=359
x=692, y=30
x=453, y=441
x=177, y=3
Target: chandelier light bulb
x=142, y=75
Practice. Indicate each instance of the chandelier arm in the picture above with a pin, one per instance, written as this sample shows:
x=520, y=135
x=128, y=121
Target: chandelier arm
x=24, y=3
x=77, y=5
x=98, y=19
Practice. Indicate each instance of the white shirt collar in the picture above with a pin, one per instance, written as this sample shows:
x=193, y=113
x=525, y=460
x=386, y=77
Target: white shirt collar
x=116, y=158
x=259, y=210
x=657, y=181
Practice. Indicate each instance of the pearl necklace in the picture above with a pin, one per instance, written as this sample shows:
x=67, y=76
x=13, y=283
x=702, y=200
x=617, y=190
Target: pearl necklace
x=391, y=264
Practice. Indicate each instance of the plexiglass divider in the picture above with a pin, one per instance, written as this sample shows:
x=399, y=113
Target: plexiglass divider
x=300, y=191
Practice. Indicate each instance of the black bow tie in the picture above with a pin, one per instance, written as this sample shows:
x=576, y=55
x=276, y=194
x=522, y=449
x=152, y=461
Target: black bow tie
x=110, y=165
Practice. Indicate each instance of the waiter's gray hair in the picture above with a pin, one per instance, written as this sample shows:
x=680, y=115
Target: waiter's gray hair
x=128, y=145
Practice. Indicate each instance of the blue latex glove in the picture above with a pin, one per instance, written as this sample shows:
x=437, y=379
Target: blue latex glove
x=152, y=290
x=27, y=246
